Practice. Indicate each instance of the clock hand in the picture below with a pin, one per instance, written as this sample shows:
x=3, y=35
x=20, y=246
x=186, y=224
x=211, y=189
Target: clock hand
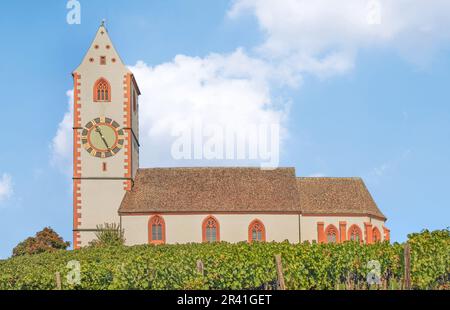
x=106, y=143
x=97, y=129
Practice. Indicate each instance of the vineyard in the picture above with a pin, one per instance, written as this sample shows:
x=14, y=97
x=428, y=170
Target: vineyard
x=237, y=266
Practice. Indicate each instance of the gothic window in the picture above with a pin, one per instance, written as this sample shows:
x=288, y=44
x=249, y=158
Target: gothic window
x=256, y=231
x=103, y=60
x=156, y=230
x=376, y=235
x=102, y=91
x=211, y=229
x=331, y=234
x=355, y=233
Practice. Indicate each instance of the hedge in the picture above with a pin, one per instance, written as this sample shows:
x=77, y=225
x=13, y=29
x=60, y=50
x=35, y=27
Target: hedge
x=237, y=266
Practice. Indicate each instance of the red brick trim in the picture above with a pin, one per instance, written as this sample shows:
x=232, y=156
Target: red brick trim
x=357, y=229
x=127, y=124
x=76, y=154
x=76, y=160
x=156, y=219
x=387, y=233
x=321, y=232
x=261, y=226
x=343, y=230
x=368, y=228
x=331, y=228
x=376, y=235
x=76, y=238
x=76, y=212
x=205, y=222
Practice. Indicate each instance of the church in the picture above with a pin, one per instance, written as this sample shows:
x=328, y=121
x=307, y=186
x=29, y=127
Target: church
x=182, y=205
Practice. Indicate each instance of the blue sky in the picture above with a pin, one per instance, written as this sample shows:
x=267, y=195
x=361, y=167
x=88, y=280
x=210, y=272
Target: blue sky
x=371, y=102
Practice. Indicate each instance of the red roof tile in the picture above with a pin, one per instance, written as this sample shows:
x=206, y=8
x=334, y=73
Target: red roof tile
x=244, y=190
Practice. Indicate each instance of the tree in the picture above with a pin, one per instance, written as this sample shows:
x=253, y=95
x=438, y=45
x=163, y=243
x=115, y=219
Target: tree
x=108, y=235
x=46, y=240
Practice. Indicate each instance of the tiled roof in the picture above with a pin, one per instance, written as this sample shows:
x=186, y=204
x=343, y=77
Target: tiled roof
x=212, y=190
x=240, y=190
x=336, y=195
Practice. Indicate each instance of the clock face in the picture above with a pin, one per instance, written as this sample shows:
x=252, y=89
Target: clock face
x=102, y=137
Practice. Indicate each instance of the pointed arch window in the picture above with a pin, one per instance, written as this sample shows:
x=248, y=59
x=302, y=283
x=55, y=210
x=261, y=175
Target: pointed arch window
x=156, y=230
x=102, y=91
x=332, y=234
x=211, y=229
x=376, y=235
x=256, y=231
x=355, y=233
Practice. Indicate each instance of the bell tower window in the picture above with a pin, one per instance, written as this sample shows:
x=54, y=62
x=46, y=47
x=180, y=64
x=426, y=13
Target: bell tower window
x=102, y=91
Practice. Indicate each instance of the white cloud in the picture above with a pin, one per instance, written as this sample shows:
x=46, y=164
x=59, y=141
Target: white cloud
x=230, y=90
x=61, y=145
x=6, y=187
x=324, y=36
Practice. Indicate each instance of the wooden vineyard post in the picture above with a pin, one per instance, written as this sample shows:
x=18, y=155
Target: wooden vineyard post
x=58, y=281
x=280, y=275
x=200, y=267
x=407, y=267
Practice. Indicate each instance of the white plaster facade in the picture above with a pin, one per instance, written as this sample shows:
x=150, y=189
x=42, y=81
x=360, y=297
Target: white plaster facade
x=185, y=228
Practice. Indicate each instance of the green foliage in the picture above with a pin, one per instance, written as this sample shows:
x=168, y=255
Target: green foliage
x=46, y=240
x=236, y=266
x=108, y=235
x=430, y=259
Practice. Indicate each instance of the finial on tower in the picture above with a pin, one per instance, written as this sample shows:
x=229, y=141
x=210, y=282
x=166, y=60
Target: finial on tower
x=103, y=22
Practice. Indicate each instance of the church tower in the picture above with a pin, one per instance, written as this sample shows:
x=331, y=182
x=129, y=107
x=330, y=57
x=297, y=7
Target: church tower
x=105, y=137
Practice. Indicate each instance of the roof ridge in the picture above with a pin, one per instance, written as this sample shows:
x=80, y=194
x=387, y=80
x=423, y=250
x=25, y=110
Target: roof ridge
x=215, y=167
x=329, y=178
